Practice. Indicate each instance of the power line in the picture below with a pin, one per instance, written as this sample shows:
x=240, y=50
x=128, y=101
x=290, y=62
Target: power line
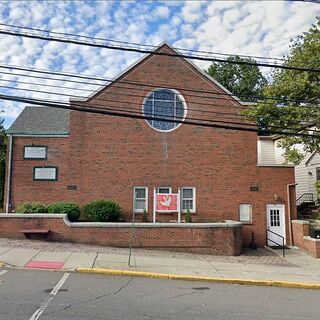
x=142, y=45
x=139, y=50
x=134, y=83
x=113, y=112
x=226, y=115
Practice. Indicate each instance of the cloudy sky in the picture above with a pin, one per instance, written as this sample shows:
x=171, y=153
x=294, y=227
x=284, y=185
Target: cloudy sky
x=260, y=28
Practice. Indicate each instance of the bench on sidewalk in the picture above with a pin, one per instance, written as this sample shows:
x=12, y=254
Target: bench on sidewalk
x=39, y=232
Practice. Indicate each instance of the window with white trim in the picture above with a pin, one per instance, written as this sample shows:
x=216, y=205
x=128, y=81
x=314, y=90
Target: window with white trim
x=140, y=199
x=164, y=104
x=245, y=212
x=188, y=199
x=164, y=190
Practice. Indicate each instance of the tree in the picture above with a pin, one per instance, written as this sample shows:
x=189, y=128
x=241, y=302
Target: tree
x=245, y=81
x=303, y=87
x=3, y=149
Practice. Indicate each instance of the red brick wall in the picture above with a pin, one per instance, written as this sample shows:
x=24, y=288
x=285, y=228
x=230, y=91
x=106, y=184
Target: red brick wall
x=219, y=240
x=107, y=156
x=300, y=229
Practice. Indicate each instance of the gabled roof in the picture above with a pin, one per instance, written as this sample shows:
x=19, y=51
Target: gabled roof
x=144, y=57
x=41, y=121
x=311, y=157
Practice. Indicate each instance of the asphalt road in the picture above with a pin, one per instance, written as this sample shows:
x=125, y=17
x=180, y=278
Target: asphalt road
x=47, y=295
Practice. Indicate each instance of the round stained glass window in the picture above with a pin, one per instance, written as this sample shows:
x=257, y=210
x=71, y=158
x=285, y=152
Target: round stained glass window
x=162, y=105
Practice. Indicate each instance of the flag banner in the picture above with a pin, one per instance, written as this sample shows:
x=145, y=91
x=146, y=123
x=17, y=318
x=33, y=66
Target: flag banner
x=167, y=202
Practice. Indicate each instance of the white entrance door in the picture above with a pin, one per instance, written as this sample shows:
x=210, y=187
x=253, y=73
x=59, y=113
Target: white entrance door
x=276, y=224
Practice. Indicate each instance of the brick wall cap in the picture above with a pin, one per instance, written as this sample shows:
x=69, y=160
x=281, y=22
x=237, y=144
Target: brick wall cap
x=153, y=225
x=33, y=215
x=300, y=222
x=308, y=238
x=226, y=224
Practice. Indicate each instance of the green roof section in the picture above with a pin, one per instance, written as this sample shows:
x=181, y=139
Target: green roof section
x=35, y=120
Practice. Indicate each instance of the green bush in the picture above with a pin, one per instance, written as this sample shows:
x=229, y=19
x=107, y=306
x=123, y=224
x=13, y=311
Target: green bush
x=31, y=207
x=145, y=216
x=69, y=208
x=317, y=186
x=188, y=216
x=102, y=211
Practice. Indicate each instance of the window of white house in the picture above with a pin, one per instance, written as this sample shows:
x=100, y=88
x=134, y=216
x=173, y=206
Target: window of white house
x=318, y=174
x=245, y=212
x=188, y=199
x=140, y=199
x=164, y=190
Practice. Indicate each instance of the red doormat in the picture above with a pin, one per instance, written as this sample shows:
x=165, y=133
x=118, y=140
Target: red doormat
x=45, y=264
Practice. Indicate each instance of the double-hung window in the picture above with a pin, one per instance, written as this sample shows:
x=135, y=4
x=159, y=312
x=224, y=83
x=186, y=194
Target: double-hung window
x=140, y=199
x=318, y=174
x=188, y=199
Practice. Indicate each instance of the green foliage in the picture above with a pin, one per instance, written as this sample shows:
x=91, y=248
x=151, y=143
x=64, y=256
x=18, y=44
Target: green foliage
x=145, y=216
x=31, y=207
x=303, y=86
x=188, y=216
x=102, y=211
x=317, y=185
x=69, y=208
x=242, y=80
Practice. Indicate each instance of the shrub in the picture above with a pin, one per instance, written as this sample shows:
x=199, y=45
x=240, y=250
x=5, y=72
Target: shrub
x=69, y=208
x=102, y=211
x=188, y=216
x=145, y=216
x=317, y=186
x=31, y=207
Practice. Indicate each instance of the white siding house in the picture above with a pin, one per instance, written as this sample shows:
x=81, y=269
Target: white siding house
x=306, y=173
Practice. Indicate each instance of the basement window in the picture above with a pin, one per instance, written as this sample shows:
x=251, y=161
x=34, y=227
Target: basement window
x=245, y=212
x=140, y=199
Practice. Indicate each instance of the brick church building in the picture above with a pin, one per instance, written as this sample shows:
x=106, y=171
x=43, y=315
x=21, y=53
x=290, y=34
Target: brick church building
x=62, y=155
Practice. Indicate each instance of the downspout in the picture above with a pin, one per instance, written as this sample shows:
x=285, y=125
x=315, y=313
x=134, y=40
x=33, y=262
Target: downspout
x=9, y=173
x=289, y=211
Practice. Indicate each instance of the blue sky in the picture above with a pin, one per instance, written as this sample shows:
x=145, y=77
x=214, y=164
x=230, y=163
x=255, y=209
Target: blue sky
x=262, y=28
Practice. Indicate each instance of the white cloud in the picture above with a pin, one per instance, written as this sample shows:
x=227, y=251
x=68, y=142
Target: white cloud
x=162, y=12
x=261, y=28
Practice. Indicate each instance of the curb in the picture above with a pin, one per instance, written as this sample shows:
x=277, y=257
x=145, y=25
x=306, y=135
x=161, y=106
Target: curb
x=252, y=282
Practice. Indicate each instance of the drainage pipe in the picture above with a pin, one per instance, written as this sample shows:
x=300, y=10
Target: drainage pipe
x=9, y=170
x=289, y=211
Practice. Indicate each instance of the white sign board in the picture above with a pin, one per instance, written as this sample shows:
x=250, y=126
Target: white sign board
x=31, y=152
x=45, y=173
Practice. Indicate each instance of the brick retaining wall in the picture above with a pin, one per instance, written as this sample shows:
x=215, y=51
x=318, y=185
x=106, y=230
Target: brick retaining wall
x=209, y=238
x=302, y=239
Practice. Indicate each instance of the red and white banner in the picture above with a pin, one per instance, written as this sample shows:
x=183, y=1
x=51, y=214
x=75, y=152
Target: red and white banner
x=167, y=202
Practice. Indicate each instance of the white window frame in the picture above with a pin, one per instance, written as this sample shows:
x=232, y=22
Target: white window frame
x=170, y=189
x=194, y=200
x=250, y=212
x=134, y=199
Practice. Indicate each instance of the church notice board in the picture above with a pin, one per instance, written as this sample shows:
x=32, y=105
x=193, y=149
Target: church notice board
x=45, y=173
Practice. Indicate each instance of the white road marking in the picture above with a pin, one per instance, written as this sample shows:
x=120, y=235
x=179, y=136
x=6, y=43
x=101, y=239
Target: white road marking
x=3, y=272
x=51, y=295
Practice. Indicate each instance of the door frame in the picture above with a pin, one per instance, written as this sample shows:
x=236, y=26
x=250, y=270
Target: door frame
x=277, y=206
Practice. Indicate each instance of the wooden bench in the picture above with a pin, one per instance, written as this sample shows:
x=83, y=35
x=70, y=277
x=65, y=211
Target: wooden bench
x=40, y=232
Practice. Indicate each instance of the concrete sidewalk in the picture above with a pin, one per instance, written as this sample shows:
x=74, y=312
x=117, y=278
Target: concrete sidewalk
x=261, y=264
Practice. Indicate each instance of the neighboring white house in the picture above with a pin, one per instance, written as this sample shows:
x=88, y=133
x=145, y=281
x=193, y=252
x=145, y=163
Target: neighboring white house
x=306, y=173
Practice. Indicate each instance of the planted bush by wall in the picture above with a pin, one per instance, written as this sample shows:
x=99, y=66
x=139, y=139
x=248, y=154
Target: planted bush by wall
x=69, y=208
x=31, y=207
x=102, y=211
